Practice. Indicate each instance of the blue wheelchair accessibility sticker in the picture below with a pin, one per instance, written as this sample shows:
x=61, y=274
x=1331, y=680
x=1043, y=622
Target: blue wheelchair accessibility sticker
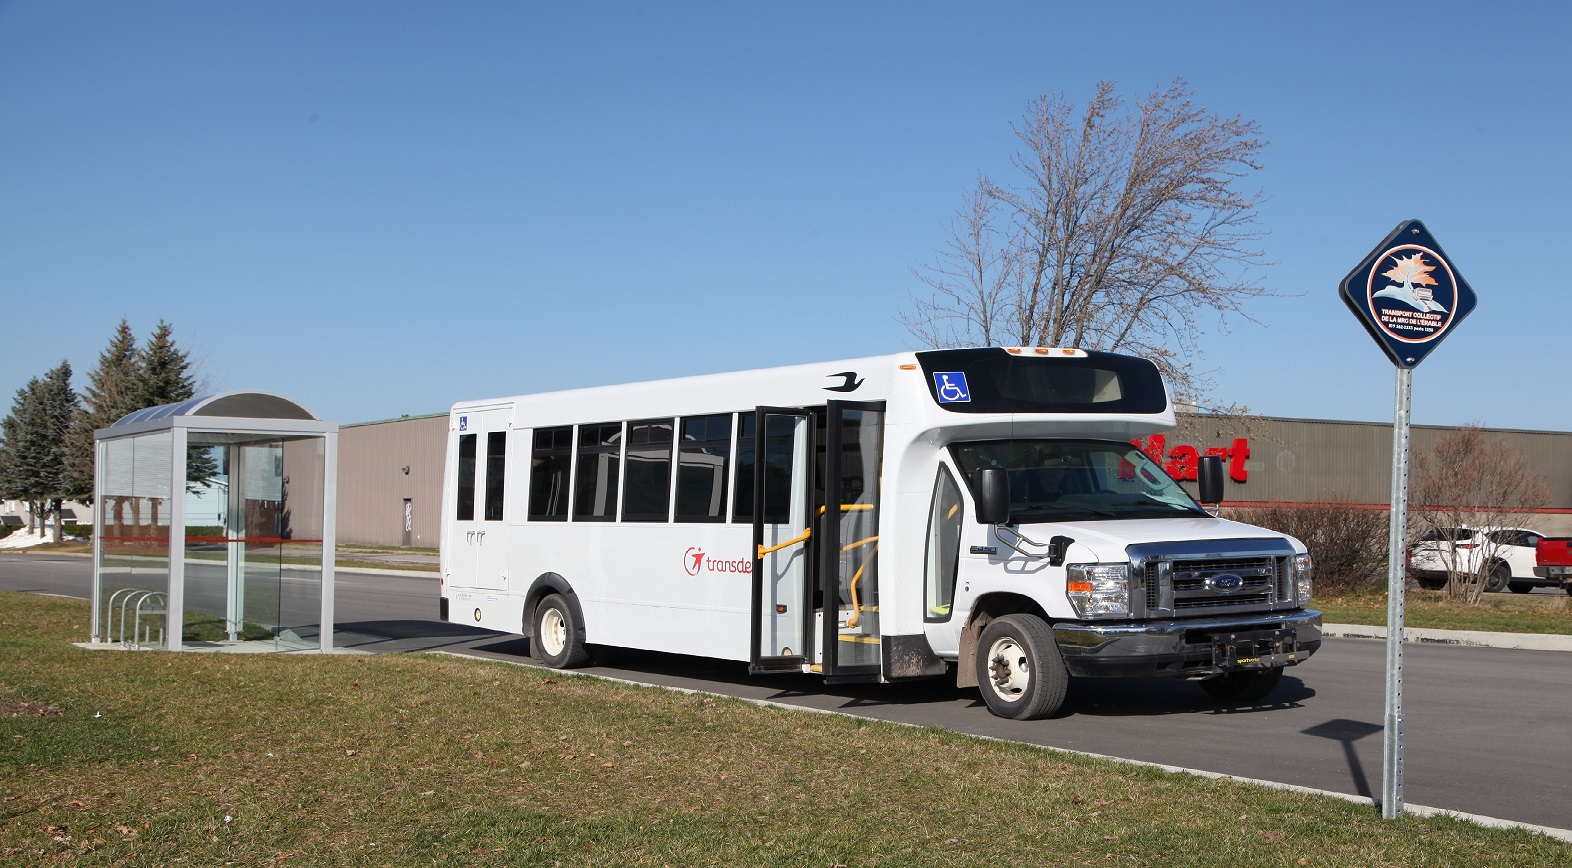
x=951, y=387
x=463, y=423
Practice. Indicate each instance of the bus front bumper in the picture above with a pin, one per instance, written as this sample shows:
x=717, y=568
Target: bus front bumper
x=1189, y=648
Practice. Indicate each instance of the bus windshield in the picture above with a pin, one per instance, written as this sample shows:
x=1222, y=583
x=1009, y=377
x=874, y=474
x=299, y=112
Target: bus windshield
x=1078, y=480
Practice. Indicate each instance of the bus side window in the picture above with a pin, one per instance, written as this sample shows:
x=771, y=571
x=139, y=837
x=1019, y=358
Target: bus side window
x=466, y=478
x=550, y=462
x=777, y=469
x=703, y=468
x=944, y=547
x=496, y=467
x=595, y=472
x=646, y=496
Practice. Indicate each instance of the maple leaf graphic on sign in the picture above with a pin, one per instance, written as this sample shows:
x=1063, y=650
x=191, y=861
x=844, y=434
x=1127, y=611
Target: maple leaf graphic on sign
x=1413, y=274
x=1410, y=269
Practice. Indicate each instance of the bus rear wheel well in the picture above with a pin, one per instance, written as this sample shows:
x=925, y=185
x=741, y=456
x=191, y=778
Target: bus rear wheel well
x=544, y=586
x=987, y=608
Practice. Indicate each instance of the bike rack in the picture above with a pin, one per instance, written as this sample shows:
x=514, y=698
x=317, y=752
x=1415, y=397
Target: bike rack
x=158, y=604
x=138, y=603
x=109, y=610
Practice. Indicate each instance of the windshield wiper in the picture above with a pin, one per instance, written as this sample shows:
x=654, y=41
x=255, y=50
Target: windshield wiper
x=1067, y=507
x=1161, y=505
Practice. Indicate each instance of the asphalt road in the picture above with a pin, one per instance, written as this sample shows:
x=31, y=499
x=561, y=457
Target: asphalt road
x=1487, y=730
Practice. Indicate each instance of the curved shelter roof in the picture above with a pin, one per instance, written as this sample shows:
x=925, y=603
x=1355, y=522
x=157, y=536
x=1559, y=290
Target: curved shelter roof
x=239, y=410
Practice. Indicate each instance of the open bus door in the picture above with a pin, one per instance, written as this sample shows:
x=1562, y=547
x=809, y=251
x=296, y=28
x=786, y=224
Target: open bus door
x=815, y=540
x=849, y=541
x=782, y=448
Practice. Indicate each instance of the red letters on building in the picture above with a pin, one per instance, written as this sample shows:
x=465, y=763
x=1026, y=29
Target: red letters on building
x=1184, y=461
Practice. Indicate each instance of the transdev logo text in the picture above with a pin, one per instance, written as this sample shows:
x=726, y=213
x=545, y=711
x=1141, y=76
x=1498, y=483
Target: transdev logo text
x=695, y=561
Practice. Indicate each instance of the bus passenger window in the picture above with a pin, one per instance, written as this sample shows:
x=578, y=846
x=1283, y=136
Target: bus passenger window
x=595, y=476
x=550, y=462
x=496, y=469
x=944, y=548
x=778, y=444
x=703, y=467
x=647, y=494
x=466, y=478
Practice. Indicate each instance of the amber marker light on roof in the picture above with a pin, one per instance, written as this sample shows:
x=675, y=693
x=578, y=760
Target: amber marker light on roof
x=908, y=367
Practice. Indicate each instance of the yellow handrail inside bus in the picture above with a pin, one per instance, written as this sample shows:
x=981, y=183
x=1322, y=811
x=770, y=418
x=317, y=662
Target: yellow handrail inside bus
x=845, y=507
x=856, y=614
x=850, y=507
x=791, y=542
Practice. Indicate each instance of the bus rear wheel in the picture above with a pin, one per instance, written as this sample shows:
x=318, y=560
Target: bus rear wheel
x=1020, y=672
x=557, y=632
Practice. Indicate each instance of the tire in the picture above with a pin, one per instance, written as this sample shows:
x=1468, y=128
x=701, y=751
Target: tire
x=1020, y=672
x=1500, y=576
x=558, y=637
x=1520, y=587
x=1432, y=584
x=1568, y=588
x=1249, y=685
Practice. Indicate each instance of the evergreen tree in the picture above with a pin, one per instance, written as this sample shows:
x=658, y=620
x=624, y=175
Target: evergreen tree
x=163, y=374
x=105, y=401
x=11, y=486
x=34, y=465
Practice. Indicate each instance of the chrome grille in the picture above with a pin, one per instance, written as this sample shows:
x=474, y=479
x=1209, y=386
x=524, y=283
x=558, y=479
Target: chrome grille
x=1215, y=576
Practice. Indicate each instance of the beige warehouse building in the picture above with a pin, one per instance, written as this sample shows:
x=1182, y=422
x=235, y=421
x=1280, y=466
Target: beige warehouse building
x=390, y=472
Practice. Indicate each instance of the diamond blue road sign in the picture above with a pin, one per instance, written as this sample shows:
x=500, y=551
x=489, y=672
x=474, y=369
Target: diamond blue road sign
x=1408, y=294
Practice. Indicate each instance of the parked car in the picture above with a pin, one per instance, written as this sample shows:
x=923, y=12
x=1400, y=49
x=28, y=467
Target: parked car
x=1511, y=550
x=1555, y=561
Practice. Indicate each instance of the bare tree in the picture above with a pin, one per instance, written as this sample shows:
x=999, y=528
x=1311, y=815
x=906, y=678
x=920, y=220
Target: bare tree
x=1348, y=543
x=1471, y=479
x=1123, y=228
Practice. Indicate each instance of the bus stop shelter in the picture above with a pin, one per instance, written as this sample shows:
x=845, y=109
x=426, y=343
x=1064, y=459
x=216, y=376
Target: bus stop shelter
x=213, y=526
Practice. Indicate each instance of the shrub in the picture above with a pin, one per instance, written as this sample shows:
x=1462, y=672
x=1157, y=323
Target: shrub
x=1348, y=544
x=85, y=531
x=8, y=529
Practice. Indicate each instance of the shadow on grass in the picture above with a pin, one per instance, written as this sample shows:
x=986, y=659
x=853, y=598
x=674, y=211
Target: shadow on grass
x=399, y=636
x=1096, y=697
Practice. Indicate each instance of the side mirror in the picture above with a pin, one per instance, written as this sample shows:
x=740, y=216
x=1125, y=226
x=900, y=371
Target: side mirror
x=1211, y=479
x=991, y=489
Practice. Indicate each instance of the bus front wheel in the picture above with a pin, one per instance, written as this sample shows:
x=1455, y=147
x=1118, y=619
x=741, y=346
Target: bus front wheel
x=557, y=634
x=1020, y=672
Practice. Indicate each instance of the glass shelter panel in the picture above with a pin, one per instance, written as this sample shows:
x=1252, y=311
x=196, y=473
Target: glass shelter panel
x=253, y=539
x=133, y=539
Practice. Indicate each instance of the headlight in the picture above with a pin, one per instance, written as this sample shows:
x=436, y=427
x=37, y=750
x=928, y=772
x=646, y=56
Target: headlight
x=1301, y=568
x=1099, y=590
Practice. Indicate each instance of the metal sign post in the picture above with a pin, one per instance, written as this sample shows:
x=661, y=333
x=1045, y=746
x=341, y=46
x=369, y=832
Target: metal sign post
x=1396, y=597
x=1409, y=297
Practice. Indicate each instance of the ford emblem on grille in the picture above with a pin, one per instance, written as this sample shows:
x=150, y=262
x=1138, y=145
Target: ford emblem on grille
x=1226, y=582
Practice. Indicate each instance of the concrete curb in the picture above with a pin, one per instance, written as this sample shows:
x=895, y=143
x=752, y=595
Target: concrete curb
x=370, y=571
x=1471, y=638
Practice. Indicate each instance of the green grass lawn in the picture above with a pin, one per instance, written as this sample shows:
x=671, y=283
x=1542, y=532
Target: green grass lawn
x=347, y=557
x=152, y=758
x=1498, y=613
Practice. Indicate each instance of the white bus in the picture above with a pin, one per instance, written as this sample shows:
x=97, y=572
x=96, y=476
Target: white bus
x=876, y=519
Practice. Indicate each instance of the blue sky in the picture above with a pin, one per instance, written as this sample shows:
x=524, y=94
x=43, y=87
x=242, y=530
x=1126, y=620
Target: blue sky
x=381, y=208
